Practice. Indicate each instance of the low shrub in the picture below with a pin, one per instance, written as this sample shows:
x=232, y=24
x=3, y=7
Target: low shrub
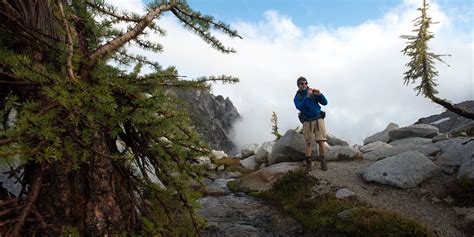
x=294, y=194
x=462, y=190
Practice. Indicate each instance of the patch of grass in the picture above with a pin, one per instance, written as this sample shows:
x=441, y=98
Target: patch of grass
x=233, y=186
x=343, y=157
x=373, y=222
x=227, y=161
x=294, y=194
x=462, y=190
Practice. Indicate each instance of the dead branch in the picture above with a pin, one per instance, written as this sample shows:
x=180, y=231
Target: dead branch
x=35, y=190
x=69, y=44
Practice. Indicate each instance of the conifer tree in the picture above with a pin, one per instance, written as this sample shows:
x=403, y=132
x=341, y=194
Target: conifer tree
x=274, y=121
x=73, y=107
x=421, y=65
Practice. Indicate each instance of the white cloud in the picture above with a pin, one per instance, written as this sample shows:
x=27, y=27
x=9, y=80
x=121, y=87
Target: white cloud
x=359, y=69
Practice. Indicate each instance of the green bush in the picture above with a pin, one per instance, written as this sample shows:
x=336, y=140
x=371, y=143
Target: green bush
x=294, y=194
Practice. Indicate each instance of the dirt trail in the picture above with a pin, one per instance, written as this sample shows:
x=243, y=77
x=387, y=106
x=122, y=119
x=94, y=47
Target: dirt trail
x=420, y=203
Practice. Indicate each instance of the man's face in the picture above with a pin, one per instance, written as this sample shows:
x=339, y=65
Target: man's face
x=303, y=85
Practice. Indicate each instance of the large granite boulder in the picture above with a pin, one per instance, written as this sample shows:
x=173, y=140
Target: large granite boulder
x=412, y=141
x=381, y=136
x=335, y=153
x=264, y=152
x=427, y=150
x=334, y=141
x=454, y=152
x=417, y=130
x=373, y=146
x=405, y=170
x=263, y=179
x=250, y=163
x=290, y=147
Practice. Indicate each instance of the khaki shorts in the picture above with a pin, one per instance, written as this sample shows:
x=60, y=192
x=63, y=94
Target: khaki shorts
x=314, y=131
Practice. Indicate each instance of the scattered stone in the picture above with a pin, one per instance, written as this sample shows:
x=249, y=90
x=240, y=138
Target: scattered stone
x=448, y=200
x=405, y=170
x=250, y=163
x=435, y=200
x=218, y=154
x=221, y=168
x=249, y=149
x=344, y=193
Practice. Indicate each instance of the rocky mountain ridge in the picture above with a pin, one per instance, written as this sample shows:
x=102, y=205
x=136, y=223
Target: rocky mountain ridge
x=212, y=116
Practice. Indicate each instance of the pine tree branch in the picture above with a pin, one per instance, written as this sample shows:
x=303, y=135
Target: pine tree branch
x=221, y=26
x=203, y=34
x=131, y=34
x=110, y=13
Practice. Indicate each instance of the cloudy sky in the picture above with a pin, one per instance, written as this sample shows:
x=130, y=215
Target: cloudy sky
x=348, y=49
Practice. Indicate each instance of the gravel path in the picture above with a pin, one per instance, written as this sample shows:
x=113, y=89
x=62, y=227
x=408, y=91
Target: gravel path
x=420, y=203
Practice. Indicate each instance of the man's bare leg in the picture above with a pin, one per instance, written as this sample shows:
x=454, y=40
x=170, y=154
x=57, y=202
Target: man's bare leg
x=307, y=152
x=322, y=152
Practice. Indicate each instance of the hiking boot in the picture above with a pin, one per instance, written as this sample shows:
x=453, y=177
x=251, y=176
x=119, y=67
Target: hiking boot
x=324, y=166
x=308, y=165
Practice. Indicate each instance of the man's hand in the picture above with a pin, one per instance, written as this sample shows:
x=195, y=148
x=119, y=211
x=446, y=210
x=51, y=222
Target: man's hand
x=313, y=91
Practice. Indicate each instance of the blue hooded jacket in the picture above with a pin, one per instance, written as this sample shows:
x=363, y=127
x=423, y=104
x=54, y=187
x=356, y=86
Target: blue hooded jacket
x=309, y=106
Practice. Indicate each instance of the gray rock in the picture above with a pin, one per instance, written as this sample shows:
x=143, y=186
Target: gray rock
x=467, y=169
x=334, y=141
x=344, y=193
x=249, y=149
x=427, y=150
x=405, y=170
x=412, y=141
x=263, y=179
x=441, y=137
x=250, y=163
x=10, y=184
x=335, y=153
x=264, y=152
x=417, y=130
x=289, y=148
x=381, y=136
x=454, y=152
x=218, y=154
x=373, y=146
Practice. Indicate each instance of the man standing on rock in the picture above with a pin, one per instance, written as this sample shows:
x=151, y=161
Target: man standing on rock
x=307, y=101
